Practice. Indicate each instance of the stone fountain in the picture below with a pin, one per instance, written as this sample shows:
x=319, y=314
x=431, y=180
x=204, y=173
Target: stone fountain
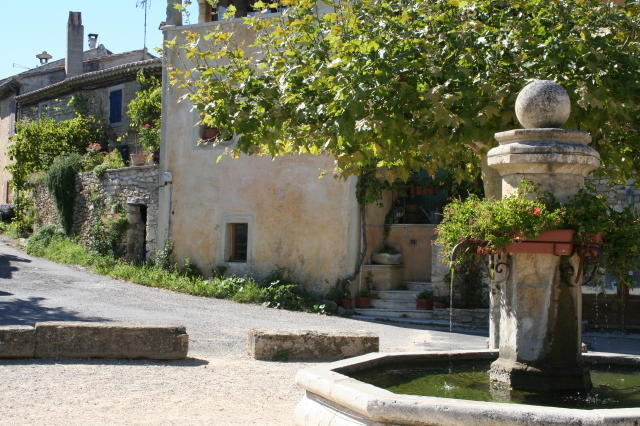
x=538, y=328
x=540, y=305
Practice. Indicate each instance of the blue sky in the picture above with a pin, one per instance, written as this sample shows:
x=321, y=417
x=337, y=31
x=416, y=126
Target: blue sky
x=29, y=27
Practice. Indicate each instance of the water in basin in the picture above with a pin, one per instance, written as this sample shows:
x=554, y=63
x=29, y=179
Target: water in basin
x=612, y=388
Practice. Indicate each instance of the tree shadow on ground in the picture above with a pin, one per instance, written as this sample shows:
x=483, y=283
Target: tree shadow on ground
x=29, y=311
x=6, y=268
x=188, y=362
x=442, y=329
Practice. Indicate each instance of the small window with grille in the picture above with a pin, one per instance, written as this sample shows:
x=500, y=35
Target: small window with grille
x=238, y=239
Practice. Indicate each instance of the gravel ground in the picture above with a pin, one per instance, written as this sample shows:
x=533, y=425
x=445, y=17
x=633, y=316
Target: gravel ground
x=218, y=384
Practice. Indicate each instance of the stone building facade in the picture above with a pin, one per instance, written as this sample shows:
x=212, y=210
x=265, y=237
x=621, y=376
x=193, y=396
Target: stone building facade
x=134, y=189
x=52, y=83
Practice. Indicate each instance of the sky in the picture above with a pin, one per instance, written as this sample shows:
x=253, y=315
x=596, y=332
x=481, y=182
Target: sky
x=29, y=27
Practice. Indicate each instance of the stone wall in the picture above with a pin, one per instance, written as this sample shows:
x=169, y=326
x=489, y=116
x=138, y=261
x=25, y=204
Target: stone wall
x=131, y=187
x=619, y=196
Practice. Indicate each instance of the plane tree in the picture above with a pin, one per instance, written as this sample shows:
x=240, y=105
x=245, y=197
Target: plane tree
x=387, y=87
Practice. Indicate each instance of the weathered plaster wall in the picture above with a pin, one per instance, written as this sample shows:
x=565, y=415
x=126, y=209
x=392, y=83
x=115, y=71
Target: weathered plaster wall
x=296, y=221
x=127, y=186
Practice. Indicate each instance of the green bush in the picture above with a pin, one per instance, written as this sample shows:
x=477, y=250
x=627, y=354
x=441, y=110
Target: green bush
x=38, y=143
x=60, y=180
x=283, y=296
x=42, y=238
x=53, y=244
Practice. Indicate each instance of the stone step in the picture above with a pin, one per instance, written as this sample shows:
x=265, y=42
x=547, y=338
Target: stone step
x=394, y=303
x=397, y=294
x=418, y=285
x=397, y=313
x=409, y=321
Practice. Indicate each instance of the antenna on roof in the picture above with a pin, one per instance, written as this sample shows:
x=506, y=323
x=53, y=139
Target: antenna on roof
x=20, y=66
x=144, y=4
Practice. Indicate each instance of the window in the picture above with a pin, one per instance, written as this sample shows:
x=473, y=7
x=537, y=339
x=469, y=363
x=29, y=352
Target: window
x=115, y=106
x=238, y=242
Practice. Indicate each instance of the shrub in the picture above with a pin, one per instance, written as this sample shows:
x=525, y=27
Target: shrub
x=60, y=180
x=162, y=257
x=38, y=143
x=42, y=238
x=283, y=296
x=107, y=232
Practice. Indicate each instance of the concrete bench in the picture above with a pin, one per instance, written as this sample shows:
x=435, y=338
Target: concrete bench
x=94, y=340
x=280, y=345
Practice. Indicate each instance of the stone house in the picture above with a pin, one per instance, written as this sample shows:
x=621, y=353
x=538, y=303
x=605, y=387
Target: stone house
x=254, y=215
x=105, y=80
x=104, y=83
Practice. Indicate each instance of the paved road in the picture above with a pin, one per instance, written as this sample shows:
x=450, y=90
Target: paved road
x=34, y=289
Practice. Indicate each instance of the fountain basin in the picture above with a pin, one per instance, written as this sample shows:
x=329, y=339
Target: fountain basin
x=334, y=398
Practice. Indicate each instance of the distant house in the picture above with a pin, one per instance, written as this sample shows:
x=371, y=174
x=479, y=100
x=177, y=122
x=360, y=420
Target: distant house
x=104, y=80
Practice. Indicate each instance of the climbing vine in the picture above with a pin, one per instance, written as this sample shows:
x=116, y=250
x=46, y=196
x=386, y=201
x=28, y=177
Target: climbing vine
x=60, y=181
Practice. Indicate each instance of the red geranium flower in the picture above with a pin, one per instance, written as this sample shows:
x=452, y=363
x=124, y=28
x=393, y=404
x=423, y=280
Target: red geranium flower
x=536, y=211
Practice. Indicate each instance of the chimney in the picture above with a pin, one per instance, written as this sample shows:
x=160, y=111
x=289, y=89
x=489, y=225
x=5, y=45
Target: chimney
x=44, y=57
x=75, y=42
x=93, y=41
x=174, y=16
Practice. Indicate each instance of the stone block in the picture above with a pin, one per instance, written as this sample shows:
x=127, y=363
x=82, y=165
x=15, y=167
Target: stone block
x=305, y=345
x=110, y=340
x=17, y=341
x=383, y=277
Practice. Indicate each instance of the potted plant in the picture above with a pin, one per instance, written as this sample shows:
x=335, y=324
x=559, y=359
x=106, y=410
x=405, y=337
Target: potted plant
x=440, y=302
x=531, y=222
x=363, y=299
x=424, y=300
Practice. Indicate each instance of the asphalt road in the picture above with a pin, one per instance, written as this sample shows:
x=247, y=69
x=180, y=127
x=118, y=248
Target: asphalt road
x=34, y=289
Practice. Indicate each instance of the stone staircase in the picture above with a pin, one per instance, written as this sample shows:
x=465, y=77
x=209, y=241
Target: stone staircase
x=400, y=306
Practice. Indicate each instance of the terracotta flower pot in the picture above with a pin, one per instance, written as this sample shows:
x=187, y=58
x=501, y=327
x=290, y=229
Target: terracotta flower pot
x=424, y=304
x=346, y=302
x=363, y=302
x=439, y=305
x=556, y=241
x=138, y=159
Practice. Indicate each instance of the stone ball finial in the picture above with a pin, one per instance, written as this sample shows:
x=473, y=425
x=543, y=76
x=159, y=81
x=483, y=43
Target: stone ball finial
x=543, y=104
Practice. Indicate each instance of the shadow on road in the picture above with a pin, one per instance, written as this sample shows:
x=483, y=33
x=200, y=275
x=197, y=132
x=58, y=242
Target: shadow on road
x=442, y=329
x=189, y=362
x=6, y=268
x=29, y=311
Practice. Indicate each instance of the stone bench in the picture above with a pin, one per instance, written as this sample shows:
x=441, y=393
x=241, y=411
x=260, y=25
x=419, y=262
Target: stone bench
x=94, y=340
x=280, y=345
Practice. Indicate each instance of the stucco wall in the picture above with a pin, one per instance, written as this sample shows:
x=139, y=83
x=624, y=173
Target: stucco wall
x=307, y=225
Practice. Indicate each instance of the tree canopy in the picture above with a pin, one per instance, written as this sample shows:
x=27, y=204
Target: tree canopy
x=402, y=84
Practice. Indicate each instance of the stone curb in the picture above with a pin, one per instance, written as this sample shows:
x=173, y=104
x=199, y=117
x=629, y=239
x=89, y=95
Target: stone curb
x=306, y=345
x=94, y=340
x=17, y=341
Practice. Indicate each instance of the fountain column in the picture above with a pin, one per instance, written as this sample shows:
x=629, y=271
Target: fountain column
x=540, y=302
